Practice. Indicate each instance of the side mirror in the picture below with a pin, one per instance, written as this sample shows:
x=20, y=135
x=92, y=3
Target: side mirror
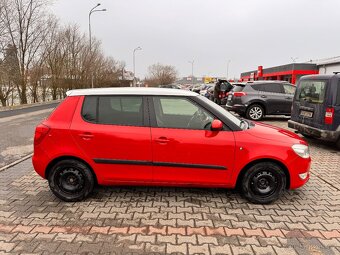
x=216, y=125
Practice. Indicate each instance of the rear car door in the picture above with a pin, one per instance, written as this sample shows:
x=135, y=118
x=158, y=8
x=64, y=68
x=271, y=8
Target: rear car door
x=310, y=102
x=289, y=91
x=114, y=134
x=185, y=151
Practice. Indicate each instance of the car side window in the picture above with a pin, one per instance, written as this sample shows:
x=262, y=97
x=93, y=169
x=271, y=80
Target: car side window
x=180, y=112
x=89, y=110
x=289, y=89
x=272, y=87
x=114, y=110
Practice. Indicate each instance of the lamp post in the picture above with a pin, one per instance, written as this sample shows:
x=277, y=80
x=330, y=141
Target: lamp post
x=192, y=71
x=134, y=62
x=228, y=68
x=90, y=13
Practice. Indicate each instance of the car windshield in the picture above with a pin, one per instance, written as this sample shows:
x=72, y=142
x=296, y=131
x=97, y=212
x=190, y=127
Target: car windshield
x=223, y=111
x=312, y=91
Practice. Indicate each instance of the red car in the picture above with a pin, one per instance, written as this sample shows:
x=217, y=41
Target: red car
x=165, y=137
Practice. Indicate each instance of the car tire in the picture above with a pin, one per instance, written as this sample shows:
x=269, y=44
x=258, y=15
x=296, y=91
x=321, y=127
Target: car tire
x=71, y=180
x=255, y=112
x=263, y=183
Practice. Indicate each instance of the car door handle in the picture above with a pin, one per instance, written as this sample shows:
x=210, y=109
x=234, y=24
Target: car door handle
x=263, y=96
x=86, y=136
x=162, y=140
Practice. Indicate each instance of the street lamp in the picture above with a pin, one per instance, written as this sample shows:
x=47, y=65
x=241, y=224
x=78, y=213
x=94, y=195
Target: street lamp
x=90, y=13
x=134, y=62
x=228, y=68
x=192, y=70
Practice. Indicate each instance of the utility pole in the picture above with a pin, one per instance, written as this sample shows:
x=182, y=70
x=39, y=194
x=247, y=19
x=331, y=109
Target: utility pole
x=90, y=13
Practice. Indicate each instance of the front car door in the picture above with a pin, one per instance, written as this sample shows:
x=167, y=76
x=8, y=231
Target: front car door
x=185, y=150
x=114, y=134
x=289, y=91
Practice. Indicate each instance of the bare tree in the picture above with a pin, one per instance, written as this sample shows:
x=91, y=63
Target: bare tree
x=161, y=75
x=9, y=73
x=26, y=28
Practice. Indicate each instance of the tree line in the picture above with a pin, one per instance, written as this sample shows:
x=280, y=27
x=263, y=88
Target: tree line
x=40, y=59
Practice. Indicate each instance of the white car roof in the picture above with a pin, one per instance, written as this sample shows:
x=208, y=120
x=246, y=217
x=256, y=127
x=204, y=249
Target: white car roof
x=130, y=91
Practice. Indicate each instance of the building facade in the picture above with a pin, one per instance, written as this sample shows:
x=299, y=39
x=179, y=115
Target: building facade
x=292, y=72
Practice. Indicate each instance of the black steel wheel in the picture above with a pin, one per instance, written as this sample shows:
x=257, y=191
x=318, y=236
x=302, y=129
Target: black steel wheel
x=264, y=183
x=71, y=180
x=255, y=112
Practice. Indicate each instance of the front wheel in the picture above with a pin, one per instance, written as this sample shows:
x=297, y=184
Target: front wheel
x=263, y=183
x=255, y=112
x=71, y=180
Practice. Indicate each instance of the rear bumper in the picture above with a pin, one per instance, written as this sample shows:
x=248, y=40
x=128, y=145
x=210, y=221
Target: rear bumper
x=238, y=108
x=315, y=132
x=40, y=161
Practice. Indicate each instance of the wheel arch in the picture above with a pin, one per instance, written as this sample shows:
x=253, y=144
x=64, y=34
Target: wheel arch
x=252, y=163
x=261, y=103
x=54, y=161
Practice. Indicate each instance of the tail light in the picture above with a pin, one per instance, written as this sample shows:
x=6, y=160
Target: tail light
x=239, y=94
x=329, y=115
x=40, y=132
x=226, y=94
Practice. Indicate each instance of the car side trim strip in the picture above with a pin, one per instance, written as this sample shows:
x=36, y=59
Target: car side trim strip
x=122, y=162
x=189, y=165
x=149, y=163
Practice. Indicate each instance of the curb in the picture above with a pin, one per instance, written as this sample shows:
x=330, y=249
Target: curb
x=24, y=106
x=16, y=162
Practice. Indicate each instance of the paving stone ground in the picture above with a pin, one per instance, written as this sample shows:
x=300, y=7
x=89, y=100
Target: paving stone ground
x=158, y=220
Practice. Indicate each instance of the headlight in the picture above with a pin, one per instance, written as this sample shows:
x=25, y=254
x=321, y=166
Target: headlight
x=301, y=150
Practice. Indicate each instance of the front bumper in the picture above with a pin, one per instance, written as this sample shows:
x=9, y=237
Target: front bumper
x=315, y=132
x=299, y=172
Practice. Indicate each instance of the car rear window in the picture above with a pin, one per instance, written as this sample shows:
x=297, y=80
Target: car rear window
x=238, y=88
x=114, y=110
x=312, y=91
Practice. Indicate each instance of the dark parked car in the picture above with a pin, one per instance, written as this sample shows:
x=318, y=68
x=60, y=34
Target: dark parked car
x=316, y=107
x=221, y=91
x=256, y=99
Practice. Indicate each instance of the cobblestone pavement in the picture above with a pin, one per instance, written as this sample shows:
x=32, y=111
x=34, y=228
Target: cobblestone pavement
x=139, y=220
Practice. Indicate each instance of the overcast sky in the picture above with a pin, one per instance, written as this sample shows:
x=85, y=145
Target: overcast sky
x=246, y=32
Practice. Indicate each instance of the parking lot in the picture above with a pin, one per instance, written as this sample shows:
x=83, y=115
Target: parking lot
x=146, y=220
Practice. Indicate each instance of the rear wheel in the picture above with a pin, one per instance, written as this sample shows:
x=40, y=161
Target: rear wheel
x=263, y=183
x=71, y=180
x=255, y=112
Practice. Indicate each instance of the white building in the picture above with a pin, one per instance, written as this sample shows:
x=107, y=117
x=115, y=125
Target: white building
x=328, y=65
